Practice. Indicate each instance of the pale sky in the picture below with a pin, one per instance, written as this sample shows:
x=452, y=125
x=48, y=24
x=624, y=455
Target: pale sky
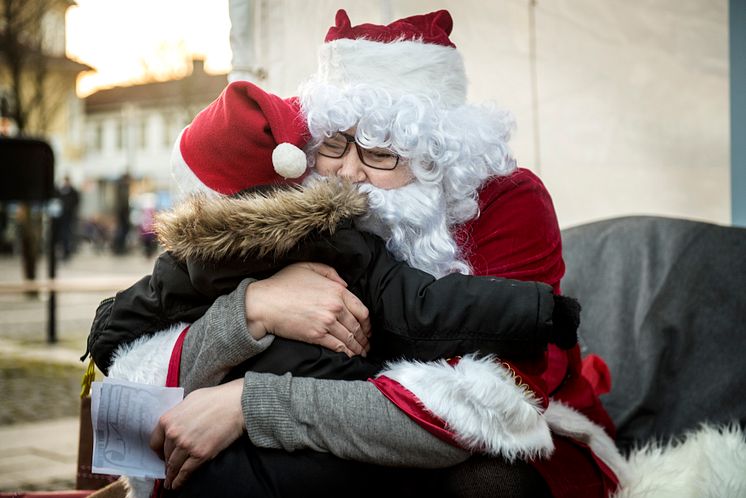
x=125, y=39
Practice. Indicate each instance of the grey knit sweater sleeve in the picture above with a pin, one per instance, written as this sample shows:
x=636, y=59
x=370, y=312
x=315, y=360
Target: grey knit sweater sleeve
x=350, y=419
x=219, y=341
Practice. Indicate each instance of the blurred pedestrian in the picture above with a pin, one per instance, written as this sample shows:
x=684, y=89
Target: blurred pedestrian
x=6, y=245
x=147, y=220
x=29, y=226
x=96, y=231
x=68, y=223
x=122, y=214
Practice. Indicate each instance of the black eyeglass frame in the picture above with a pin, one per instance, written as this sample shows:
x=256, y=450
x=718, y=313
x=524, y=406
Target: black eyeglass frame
x=350, y=139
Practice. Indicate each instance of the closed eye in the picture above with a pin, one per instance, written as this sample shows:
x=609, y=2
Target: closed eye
x=334, y=145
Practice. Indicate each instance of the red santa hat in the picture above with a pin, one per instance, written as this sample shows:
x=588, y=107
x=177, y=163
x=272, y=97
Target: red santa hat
x=246, y=137
x=414, y=55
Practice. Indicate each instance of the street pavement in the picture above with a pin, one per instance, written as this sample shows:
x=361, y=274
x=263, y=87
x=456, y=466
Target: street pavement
x=39, y=455
x=40, y=382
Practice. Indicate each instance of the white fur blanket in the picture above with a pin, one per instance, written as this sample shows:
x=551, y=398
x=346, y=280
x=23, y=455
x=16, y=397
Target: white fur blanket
x=709, y=462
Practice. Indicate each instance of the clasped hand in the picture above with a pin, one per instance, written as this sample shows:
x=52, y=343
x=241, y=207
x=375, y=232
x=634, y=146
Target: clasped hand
x=309, y=302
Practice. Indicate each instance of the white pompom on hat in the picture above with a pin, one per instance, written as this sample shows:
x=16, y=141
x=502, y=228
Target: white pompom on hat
x=288, y=160
x=245, y=138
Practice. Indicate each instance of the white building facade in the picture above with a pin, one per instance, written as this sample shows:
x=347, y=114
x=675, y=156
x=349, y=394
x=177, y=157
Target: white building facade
x=622, y=107
x=133, y=129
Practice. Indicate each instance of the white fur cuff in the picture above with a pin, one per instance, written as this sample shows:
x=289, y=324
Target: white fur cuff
x=480, y=403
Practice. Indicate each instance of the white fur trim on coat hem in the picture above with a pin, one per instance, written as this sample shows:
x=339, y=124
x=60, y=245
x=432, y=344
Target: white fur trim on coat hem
x=566, y=421
x=184, y=178
x=144, y=360
x=480, y=403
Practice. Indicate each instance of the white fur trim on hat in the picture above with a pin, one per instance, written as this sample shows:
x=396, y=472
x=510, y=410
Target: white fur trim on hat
x=186, y=181
x=289, y=161
x=403, y=67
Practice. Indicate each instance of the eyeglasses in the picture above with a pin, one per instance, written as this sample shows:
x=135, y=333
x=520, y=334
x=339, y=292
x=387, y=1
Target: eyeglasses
x=336, y=147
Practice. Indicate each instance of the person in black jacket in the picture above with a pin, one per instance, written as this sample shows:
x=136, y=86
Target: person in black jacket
x=215, y=243
x=68, y=221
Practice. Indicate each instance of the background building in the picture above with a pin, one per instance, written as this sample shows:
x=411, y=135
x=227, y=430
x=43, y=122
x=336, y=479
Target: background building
x=37, y=79
x=38, y=99
x=132, y=129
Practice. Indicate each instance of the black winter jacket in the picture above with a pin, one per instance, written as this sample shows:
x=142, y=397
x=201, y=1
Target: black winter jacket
x=214, y=244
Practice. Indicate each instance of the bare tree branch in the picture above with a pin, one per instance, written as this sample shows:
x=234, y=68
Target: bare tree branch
x=26, y=66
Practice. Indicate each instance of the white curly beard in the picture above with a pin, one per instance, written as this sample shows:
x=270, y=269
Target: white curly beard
x=413, y=222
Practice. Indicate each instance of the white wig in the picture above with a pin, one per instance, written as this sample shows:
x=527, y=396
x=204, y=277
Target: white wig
x=457, y=147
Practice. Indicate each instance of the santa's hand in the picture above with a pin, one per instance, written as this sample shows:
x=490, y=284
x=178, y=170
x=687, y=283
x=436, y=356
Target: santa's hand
x=309, y=302
x=197, y=429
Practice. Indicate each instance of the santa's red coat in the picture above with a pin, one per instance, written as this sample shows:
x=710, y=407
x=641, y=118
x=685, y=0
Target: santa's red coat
x=517, y=236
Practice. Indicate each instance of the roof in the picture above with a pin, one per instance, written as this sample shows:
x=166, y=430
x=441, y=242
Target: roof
x=66, y=64
x=198, y=87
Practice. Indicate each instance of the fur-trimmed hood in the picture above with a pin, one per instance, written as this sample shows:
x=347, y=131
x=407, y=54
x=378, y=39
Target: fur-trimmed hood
x=260, y=223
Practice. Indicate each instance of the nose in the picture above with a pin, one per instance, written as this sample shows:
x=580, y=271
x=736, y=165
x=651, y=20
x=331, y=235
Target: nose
x=351, y=168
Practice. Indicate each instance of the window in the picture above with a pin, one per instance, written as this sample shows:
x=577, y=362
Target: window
x=169, y=121
x=98, y=136
x=143, y=133
x=120, y=134
x=53, y=32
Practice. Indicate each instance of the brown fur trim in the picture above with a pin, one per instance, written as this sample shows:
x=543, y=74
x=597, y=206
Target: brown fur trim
x=256, y=224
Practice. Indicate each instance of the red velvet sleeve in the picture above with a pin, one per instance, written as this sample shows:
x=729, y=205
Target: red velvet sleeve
x=516, y=234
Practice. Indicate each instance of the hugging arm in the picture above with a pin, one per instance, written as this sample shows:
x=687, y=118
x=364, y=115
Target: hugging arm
x=352, y=420
x=366, y=426
x=538, y=256
x=417, y=316
x=219, y=341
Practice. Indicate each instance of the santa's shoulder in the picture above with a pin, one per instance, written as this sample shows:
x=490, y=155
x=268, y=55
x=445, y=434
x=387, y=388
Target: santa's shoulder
x=521, y=184
x=516, y=234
